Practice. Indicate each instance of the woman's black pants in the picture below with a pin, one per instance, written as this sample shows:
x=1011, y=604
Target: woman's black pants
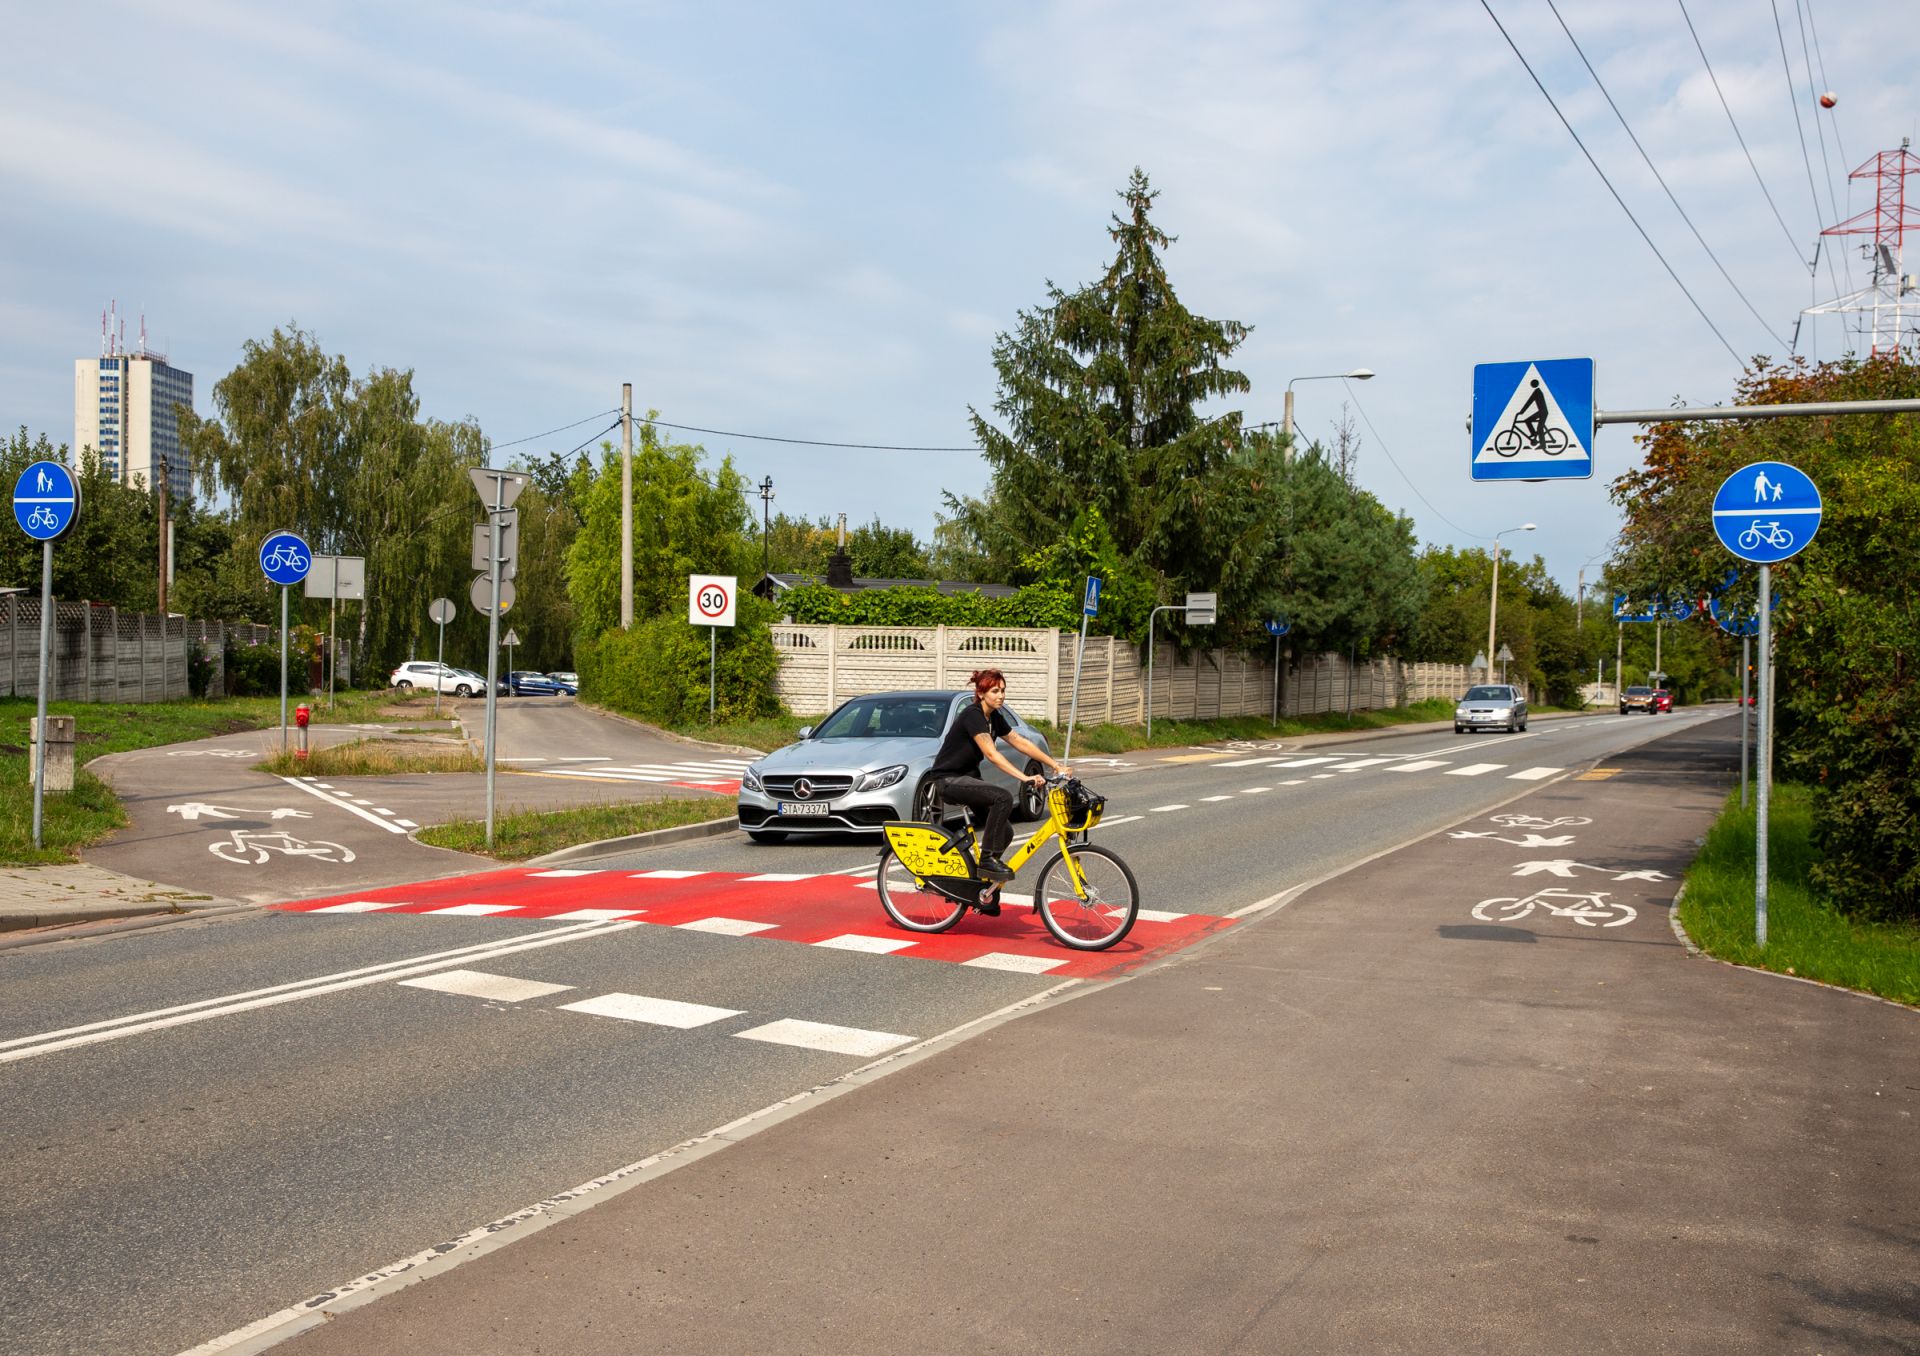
x=975, y=794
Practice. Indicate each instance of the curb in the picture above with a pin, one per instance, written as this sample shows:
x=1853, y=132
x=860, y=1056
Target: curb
x=634, y=842
x=125, y=918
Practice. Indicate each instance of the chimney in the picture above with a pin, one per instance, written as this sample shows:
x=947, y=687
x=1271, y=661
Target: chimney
x=840, y=565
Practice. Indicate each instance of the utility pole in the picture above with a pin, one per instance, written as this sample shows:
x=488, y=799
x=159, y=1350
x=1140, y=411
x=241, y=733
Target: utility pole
x=766, y=524
x=163, y=537
x=626, y=505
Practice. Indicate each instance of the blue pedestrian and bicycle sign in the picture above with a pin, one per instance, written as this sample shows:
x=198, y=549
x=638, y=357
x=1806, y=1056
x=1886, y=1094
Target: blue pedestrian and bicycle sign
x=1533, y=420
x=1765, y=512
x=1091, y=608
x=284, y=558
x=1279, y=626
x=46, y=500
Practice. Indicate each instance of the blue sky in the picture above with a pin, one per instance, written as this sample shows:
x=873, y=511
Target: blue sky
x=812, y=220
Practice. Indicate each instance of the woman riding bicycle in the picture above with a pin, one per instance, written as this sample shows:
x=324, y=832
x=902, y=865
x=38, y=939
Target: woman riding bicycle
x=971, y=738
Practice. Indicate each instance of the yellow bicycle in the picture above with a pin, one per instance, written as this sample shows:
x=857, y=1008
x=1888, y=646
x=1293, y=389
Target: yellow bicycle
x=930, y=874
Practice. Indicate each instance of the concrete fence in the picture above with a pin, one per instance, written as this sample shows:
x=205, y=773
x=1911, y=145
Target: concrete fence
x=822, y=666
x=101, y=654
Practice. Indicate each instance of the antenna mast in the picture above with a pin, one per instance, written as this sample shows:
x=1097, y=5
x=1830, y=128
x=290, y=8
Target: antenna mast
x=1891, y=297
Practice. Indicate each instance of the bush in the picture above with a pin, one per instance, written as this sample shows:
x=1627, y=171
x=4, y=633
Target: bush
x=254, y=671
x=658, y=670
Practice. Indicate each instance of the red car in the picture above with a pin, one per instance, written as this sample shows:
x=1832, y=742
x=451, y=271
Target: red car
x=1662, y=700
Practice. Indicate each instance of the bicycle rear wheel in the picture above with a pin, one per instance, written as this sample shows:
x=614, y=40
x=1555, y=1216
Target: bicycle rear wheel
x=915, y=907
x=1104, y=915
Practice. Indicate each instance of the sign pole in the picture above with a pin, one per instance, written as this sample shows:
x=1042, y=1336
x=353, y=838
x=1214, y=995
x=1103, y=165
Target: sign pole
x=1073, y=707
x=283, y=670
x=46, y=647
x=438, y=677
x=713, y=667
x=1764, y=775
x=1746, y=713
x=493, y=639
x=333, y=642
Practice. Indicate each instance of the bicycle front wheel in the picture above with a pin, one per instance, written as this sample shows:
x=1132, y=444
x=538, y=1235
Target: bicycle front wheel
x=915, y=907
x=1099, y=918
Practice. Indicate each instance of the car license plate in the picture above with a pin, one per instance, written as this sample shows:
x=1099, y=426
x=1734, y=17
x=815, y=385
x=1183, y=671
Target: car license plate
x=804, y=807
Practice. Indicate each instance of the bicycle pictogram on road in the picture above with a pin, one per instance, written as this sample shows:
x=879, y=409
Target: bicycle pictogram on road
x=1589, y=909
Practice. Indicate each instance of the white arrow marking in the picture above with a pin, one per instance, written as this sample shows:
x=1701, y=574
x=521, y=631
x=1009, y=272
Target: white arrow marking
x=1563, y=867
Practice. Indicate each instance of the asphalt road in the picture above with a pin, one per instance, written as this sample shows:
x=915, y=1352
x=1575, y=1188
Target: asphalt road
x=221, y=1118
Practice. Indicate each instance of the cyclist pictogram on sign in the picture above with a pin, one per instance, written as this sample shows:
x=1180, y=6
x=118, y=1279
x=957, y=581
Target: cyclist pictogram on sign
x=1533, y=420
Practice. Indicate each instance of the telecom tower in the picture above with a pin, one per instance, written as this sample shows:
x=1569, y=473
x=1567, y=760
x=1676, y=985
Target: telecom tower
x=1891, y=299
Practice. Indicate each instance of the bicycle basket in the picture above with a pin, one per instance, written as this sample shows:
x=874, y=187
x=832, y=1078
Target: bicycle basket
x=1083, y=807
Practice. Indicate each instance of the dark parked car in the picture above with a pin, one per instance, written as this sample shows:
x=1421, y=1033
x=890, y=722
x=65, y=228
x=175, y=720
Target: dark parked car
x=527, y=683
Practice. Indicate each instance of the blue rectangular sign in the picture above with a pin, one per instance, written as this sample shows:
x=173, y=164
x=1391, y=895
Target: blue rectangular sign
x=1091, y=607
x=1533, y=420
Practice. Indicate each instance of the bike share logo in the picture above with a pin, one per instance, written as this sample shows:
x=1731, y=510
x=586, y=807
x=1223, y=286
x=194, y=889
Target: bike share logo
x=1533, y=420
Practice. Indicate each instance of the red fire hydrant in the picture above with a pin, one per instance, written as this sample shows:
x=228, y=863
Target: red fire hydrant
x=301, y=715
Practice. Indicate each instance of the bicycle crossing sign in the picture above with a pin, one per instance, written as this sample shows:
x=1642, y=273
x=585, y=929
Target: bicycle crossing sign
x=1533, y=420
x=46, y=500
x=284, y=558
x=1766, y=512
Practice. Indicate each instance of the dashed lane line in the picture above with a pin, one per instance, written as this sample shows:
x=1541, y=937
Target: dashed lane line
x=322, y=791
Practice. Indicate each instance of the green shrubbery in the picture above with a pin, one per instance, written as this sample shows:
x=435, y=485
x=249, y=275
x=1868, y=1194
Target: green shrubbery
x=658, y=670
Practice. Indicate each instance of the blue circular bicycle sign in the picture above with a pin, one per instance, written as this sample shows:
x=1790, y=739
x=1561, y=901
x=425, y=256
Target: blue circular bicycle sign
x=1766, y=512
x=46, y=500
x=284, y=558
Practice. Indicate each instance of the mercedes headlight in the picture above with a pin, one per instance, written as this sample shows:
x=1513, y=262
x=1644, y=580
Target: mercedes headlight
x=879, y=781
x=750, y=781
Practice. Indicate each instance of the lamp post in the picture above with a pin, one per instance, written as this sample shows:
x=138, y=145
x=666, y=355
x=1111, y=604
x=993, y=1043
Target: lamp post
x=1493, y=599
x=1286, y=421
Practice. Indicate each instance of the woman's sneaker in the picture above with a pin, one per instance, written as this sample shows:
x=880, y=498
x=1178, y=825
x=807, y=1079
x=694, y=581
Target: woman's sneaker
x=994, y=869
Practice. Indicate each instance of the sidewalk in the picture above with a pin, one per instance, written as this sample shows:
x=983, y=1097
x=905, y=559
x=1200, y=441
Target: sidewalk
x=79, y=892
x=1372, y=1121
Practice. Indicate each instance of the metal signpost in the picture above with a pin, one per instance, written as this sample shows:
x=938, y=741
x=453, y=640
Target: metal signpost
x=440, y=612
x=1745, y=627
x=285, y=560
x=1089, y=609
x=711, y=600
x=1201, y=610
x=46, y=504
x=1277, y=628
x=336, y=578
x=1764, y=513
x=491, y=593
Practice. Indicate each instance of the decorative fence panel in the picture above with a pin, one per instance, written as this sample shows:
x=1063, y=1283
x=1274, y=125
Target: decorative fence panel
x=822, y=666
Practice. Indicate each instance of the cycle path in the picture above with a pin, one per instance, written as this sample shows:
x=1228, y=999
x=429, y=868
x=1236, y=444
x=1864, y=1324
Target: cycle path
x=1369, y=1121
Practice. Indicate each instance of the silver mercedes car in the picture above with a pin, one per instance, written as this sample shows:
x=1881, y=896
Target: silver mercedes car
x=866, y=764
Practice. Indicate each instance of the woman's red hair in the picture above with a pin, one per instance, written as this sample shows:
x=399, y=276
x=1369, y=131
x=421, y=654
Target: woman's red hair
x=985, y=679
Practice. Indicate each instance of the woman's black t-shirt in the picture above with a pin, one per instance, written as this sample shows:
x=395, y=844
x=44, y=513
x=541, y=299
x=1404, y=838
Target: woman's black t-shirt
x=959, y=756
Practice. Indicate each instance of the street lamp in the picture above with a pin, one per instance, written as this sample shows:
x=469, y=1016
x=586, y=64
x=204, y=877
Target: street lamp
x=1493, y=600
x=1286, y=420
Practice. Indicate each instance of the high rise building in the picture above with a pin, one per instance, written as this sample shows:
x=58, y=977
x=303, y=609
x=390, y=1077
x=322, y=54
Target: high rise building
x=124, y=407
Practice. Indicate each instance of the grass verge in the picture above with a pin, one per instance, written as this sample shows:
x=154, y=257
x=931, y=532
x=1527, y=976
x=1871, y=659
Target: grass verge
x=375, y=758
x=517, y=837
x=1805, y=936
x=73, y=820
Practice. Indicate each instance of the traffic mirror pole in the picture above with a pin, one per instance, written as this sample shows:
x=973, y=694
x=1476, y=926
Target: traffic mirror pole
x=46, y=647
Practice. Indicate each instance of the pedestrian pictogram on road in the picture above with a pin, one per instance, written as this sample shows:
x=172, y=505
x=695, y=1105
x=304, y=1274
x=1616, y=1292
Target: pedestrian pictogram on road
x=1533, y=420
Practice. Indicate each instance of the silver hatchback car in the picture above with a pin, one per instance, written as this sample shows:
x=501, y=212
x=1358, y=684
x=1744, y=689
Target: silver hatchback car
x=1490, y=705
x=864, y=765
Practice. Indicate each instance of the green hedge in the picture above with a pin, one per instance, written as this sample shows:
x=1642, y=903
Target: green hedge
x=658, y=670
x=1036, y=605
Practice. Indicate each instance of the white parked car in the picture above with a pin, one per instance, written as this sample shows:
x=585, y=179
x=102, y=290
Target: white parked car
x=426, y=674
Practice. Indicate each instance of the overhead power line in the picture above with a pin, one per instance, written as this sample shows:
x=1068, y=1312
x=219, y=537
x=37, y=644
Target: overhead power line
x=597, y=414
x=1700, y=310
x=1806, y=159
x=803, y=442
x=1813, y=97
x=1660, y=178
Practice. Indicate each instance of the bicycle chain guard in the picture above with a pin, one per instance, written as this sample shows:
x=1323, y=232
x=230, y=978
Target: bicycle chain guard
x=938, y=858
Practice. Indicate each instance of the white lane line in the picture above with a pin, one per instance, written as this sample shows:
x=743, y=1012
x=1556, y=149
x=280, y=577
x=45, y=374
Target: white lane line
x=588, y=758
x=472, y=910
x=1307, y=762
x=138, y=1023
x=519, y=760
x=562, y=874
x=634, y=1007
x=1420, y=766
x=1364, y=762
x=1022, y=965
x=727, y=927
x=1256, y=790
x=1160, y=915
x=406, y=823
x=665, y=875
x=1211, y=799
x=1534, y=774
x=388, y=813
x=878, y=946
x=1297, y=781
x=1163, y=809
x=1250, y=762
x=776, y=877
x=314, y=789
x=1475, y=769
x=592, y=915
x=361, y=906
x=833, y=1040
x=480, y=984
x=1323, y=777
x=870, y=869
x=1123, y=819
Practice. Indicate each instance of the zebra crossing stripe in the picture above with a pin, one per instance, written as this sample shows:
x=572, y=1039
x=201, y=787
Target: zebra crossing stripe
x=1475, y=769
x=1420, y=766
x=1534, y=774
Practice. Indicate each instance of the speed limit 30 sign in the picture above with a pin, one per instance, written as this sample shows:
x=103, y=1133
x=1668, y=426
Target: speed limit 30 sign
x=711, y=599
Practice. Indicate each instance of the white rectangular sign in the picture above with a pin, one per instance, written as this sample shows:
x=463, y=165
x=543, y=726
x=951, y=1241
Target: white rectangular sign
x=711, y=599
x=1201, y=608
x=342, y=577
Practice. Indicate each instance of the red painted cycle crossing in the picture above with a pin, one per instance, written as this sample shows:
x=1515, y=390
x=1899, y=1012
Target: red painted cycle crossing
x=839, y=912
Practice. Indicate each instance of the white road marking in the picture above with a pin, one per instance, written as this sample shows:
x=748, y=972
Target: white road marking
x=592, y=915
x=1249, y=762
x=315, y=789
x=777, y=877
x=360, y=906
x=406, y=823
x=1210, y=799
x=1160, y=915
x=1297, y=781
x=1324, y=777
x=1364, y=762
x=634, y=1007
x=1420, y=766
x=480, y=984
x=1256, y=790
x=135, y=1024
x=1475, y=769
x=1534, y=774
x=879, y=946
x=666, y=875
x=1307, y=762
x=1023, y=965
x=834, y=1040
x=1163, y=809
x=472, y=910
x=1123, y=819
x=561, y=873
x=727, y=927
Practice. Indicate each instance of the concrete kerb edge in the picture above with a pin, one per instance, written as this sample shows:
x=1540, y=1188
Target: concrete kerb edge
x=129, y=919
x=1693, y=949
x=634, y=842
